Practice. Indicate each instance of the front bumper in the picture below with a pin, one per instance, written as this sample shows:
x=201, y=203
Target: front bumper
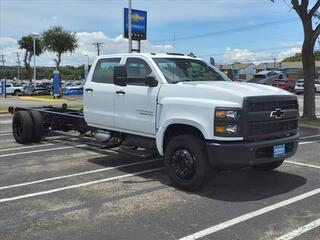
x=224, y=155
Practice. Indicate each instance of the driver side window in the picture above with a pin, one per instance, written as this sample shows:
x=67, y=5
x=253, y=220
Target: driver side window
x=137, y=68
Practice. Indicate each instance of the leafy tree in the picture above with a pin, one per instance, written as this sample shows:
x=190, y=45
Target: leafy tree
x=26, y=43
x=59, y=41
x=309, y=17
x=298, y=57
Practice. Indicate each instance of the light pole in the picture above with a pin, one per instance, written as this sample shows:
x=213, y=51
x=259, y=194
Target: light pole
x=18, y=62
x=34, y=37
x=87, y=58
x=130, y=25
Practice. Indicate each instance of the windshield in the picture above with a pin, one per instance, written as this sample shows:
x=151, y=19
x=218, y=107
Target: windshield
x=259, y=76
x=182, y=70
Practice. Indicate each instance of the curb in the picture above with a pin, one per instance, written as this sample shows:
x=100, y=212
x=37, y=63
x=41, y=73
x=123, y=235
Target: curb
x=27, y=98
x=5, y=113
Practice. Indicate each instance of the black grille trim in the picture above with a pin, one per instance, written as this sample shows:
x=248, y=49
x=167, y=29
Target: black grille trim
x=260, y=126
x=271, y=106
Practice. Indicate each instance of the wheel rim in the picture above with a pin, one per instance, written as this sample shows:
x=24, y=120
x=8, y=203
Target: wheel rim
x=183, y=164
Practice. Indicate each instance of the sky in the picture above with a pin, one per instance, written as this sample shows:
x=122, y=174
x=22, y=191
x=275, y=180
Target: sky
x=227, y=30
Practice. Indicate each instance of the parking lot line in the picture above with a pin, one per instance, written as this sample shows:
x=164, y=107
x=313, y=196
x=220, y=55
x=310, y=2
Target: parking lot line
x=300, y=231
x=77, y=174
x=302, y=143
x=26, y=147
x=311, y=136
x=303, y=164
x=3, y=200
x=250, y=215
x=42, y=150
x=5, y=134
x=5, y=122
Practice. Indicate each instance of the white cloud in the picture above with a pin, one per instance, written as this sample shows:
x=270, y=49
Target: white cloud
x=293, y=49
x=118, y=44
x=23, y=17
x=244, y=55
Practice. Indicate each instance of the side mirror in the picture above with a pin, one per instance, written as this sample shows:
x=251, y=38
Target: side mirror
x=151, y=81
x=120, y=75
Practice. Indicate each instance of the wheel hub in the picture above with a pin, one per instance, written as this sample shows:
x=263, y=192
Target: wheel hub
x=183, y=164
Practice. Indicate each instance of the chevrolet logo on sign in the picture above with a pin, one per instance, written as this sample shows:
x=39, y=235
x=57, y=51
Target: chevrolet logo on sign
x=137, y=18
x=278, y=113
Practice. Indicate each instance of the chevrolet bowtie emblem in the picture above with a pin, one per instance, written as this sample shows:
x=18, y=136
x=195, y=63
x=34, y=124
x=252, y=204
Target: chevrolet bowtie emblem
x=277, y=113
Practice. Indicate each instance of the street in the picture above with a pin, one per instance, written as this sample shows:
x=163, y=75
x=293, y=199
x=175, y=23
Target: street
x=63, y=188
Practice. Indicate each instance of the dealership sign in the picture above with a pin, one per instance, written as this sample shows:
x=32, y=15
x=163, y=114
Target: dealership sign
x=139, y=24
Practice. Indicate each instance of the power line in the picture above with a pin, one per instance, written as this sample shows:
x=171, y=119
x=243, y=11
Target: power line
x=97, y=44
x=231, y=30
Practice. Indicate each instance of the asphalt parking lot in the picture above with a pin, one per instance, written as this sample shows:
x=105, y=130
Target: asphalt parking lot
x=64, y=189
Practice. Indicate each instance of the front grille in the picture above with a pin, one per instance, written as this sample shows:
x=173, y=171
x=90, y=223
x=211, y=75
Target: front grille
x=259, y=124
x=259, y=128
x=271, y=106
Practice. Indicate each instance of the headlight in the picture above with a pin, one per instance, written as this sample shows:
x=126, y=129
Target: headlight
x=227, y=115
x=227, y=122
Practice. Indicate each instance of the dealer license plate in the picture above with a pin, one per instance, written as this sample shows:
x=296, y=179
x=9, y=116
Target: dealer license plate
x=279, y=150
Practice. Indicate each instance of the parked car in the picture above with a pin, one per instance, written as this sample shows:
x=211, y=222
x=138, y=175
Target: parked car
x=299, y=87
x=74, y=89
x=40, y=89
x=284, y=84
x=13, y=88
x=267, y=77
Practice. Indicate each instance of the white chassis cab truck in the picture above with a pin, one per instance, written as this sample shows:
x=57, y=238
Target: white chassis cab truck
x=180, y=106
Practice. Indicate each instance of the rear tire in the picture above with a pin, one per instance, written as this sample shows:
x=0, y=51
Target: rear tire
x=22, y=127
x=38, y=128
x=267, y=166
x=186, y=162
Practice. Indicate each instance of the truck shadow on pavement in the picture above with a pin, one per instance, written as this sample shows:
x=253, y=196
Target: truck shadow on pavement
x=232, y=186
x=248, y=185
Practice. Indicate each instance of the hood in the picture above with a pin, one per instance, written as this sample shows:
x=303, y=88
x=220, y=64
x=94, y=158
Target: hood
x=233, y=92
x=242, y=89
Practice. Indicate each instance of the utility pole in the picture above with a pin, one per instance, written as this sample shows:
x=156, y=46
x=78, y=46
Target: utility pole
x=274, y=63
x=97, y=44
x=3, y=61
x=130, y=25
x=18, y=62
x=34, y=37
x=174, y=42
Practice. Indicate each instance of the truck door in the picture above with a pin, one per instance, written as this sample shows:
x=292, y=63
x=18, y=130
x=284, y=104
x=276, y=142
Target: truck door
x=135, y=104
x=99, y=94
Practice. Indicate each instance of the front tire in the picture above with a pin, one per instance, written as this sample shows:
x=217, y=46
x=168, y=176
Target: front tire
x=267, y=166
x=22, y=127
x=186, y=162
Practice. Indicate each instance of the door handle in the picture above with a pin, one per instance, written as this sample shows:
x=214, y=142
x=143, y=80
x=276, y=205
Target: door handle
x=120, y=92
x=89, y=90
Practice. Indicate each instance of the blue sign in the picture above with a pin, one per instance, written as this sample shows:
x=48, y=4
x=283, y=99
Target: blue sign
x=56, y=83
x=3, y=88
x=139, y=24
